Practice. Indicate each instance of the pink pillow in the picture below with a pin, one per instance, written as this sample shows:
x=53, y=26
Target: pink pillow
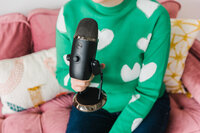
x=50, y=117
x=184, y=115
x=43, y=23
x=190, y=77
x=12, y=43
x=195, y=49
x=162, y=0
x=172, y=7
x=1, y=115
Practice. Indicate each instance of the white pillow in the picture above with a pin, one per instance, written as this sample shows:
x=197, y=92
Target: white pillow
x=28, y=81
x=183, y=34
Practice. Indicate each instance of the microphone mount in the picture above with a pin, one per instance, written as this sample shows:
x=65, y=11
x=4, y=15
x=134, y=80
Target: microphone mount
x=83, y=65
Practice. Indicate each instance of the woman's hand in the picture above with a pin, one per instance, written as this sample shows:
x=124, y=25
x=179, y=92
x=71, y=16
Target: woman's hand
x=81, y=85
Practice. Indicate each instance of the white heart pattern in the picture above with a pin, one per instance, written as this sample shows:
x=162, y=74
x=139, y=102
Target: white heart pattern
x=128, y=75
x=66, y=79
x=105, y=38
x=144, y=42
x=147, y=71
x=61, y=22
x=134, y=98
x=136, y=123
x=147, y=7
x=65, y=59
x=94, y=84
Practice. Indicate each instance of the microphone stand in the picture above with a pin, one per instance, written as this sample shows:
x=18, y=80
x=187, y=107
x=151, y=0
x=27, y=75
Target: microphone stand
x=88, y=100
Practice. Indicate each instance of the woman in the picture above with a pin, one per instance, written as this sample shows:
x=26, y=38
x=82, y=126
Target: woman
x=134, y=41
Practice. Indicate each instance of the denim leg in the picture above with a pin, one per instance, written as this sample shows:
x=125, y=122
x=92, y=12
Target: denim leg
x=157, y=120
x=99, y=121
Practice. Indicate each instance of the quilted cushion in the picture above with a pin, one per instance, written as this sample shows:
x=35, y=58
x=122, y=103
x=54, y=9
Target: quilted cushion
x=43, y=23
x=51, y=117
x=172, y=7
x=184, y=115
x=15, y=36
x=195, y=49
x=191, y=76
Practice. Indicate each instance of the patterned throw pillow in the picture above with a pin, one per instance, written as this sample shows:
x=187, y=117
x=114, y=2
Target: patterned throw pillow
x=183, y=34
x=28, y=81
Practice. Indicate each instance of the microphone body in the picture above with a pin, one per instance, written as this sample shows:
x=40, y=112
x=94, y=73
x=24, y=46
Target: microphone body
x=82, y=54
x=83, y=64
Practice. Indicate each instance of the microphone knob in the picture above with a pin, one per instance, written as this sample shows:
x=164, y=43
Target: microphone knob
x=76, y=58
x=96, y=68
x=68, y=57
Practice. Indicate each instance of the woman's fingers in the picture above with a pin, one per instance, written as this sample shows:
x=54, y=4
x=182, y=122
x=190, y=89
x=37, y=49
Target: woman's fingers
x=81, y=85
x=91, y=78
x=103, y=65
x=78, y=88
x=80, y=82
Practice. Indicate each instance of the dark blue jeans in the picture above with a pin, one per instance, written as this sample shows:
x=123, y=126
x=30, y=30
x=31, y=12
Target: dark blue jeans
x=101, y=121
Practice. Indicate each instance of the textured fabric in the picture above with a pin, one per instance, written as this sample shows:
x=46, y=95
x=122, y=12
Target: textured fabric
x=51, y=117
x=43, y=22
x=15, y=36
x=172, y=7
x=102, y=121
x=55, y=114
x=184, y=32
x=161, y=1
x=28, y=81
x=195, y=49
x=136, y=75
x=191, y=75
x=99, y=121
x=13, y=124
x=184, y=115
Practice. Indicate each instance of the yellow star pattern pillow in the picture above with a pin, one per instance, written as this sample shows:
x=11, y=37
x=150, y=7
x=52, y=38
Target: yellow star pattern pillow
x=183, y=34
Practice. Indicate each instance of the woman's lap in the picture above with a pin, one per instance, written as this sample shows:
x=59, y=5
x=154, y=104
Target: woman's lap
x=156, y=121
x=101, y=121
x=96, y=122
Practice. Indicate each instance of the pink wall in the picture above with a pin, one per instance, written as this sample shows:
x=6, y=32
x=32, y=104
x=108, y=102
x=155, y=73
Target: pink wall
x=190, y=9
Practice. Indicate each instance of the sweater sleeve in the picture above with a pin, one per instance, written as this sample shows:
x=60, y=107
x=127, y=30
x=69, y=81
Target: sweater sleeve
x=150, y=83
x=63, y=47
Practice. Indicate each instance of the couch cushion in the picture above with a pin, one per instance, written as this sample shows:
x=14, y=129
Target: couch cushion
x=172, y=7
x=51, y=117
x=22, y=123
x=55, y=114
x=28, y=81
x=191, y=76
x=183, y=34
x=15, y=36
x=195, y=49
x=184, y=115
x=1, y=122
x=43, y=23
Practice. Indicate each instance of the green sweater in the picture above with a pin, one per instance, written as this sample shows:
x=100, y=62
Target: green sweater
x=134, y=42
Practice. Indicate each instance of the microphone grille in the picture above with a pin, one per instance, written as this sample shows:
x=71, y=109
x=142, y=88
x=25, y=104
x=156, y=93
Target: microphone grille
x=87, y=28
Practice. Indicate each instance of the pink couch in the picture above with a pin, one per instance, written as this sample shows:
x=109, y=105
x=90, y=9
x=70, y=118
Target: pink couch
x=36, y=32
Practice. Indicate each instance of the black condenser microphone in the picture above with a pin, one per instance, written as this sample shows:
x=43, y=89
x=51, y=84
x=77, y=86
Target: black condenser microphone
x=83, y=49
x=83, y=64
